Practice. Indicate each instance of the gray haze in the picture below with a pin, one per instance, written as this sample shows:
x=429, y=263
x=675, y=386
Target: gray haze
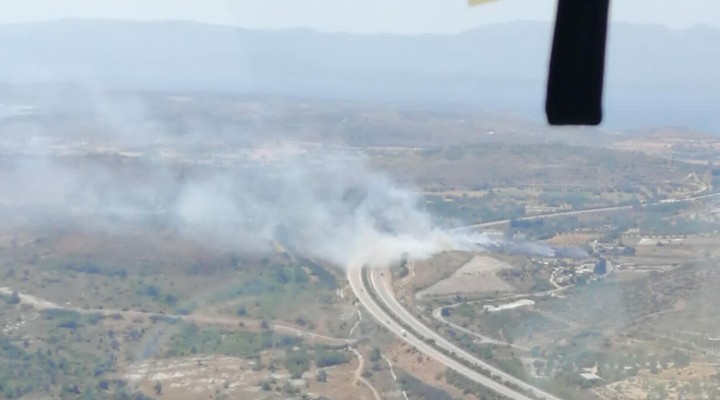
x=329, y=205
x=656, y=76
x=135, y=173
x=397, y=16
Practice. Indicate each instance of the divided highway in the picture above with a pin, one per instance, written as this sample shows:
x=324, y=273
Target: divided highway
x=384, y=291
x=356, y=283
x=694, y=197
x=389, y=312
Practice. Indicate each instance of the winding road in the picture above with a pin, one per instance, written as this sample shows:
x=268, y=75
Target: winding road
x=358, y=374
x=437, y=314
x=199, y=319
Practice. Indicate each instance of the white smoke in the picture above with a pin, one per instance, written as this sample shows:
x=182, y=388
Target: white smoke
x=330, y=204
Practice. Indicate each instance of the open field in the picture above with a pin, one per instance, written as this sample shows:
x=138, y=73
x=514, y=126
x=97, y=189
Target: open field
x=476, y=276
x=438, y=267
x=229, y=377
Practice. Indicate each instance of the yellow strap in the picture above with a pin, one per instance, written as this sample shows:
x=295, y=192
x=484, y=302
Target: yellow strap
x=478, y=2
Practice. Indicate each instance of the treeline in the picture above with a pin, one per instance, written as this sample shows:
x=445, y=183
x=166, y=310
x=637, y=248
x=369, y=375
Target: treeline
x=299, y=361
x=93, y=268
x=276, y=276
x=72, y=320
x=469, y=386
x=194, y=340
x=474, y=209
x=298, y=357
x=417, y=389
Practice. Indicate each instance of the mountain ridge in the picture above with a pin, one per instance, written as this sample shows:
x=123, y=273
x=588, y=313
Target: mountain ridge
x=655, y=74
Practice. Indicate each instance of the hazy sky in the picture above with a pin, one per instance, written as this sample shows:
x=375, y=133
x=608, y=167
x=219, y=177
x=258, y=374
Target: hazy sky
x=411, y=16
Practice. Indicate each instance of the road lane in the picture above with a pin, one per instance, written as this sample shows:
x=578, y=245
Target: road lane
x=385, y=294
x=357, y=285
x=694, y=197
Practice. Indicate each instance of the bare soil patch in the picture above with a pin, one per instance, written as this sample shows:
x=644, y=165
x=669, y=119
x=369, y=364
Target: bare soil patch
x=571, y=239
x=442, y=266
x=476, y=276
x=214, y=376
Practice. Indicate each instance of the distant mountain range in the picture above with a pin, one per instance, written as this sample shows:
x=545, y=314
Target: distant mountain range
x=656, y=76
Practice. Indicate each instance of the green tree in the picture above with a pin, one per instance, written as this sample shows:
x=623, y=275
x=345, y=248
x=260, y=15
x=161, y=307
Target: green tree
x=375, y=355
x=681, y=359
x=297, y=362
x=158, y=388
x=14, y=298
x=487, y=353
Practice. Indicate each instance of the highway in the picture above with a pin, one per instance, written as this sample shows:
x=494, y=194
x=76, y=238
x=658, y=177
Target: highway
x=382, y=287
x=358, y=287
x=693, y=197
x=421, y=335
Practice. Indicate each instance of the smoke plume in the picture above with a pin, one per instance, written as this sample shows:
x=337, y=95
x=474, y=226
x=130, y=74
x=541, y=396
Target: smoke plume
x=330, y=204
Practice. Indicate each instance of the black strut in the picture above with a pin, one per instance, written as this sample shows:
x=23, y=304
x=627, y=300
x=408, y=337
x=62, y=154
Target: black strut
x=577, y=63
